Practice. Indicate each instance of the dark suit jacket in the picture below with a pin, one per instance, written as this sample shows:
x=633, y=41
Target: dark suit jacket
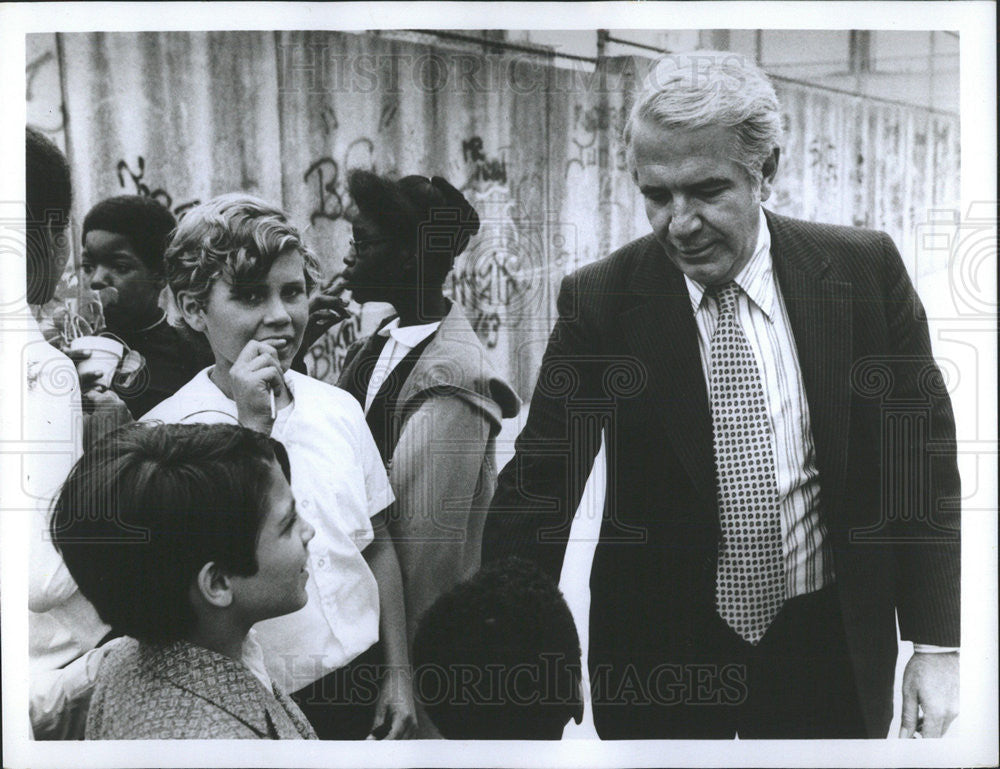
x=624, y=356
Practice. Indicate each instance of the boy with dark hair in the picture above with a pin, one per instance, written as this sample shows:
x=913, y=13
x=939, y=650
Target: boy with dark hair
x=241, y=274
x=184, y=536
x=124, y=239
x=124, y=242
x=498, y=657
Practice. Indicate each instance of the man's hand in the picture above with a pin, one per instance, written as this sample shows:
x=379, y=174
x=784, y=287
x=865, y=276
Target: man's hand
x=326, y=307
x=395, y=713
x=930, y=685
x=255, y=372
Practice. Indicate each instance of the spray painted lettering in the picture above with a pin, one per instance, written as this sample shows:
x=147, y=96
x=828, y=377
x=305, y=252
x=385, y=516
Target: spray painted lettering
x=327, y=353
x=325, y=178
x=329, y=118
x=139, y=187
x=824, y=160
x=329, y=204
x=588, y=124
x=484, y=169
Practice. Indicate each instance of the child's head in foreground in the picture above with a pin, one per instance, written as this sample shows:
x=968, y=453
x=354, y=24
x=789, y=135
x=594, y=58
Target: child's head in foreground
x=498, y=657
x=240, y=271
x=170, y=530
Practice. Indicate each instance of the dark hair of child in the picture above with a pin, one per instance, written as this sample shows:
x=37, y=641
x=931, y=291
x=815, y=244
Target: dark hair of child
x=498, y=657
x=145, y=508
x=48, y=197
x=146, y=223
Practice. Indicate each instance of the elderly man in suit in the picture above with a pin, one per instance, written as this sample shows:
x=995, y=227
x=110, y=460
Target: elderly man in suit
x=782, y=480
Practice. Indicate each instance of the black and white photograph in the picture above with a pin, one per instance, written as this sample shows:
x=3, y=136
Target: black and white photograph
x=615, y=386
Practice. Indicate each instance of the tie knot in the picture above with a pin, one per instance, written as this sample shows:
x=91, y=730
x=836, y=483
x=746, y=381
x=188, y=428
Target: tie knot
x=725, y=295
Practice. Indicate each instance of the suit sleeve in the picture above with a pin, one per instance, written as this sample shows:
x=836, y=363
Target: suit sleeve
x=539, y=490
x=927, y=519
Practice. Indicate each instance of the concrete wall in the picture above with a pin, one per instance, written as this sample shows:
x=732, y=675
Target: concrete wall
x=185, y=116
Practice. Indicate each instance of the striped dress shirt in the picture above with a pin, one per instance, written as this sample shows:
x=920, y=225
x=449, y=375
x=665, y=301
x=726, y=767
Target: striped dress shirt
x=761, y=312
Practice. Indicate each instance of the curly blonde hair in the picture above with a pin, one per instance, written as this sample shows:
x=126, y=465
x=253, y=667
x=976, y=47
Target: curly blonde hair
x=236, y=236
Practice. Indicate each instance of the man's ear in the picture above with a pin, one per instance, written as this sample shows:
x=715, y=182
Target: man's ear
x=768, y=172
x=192, y=310
x=214, y=586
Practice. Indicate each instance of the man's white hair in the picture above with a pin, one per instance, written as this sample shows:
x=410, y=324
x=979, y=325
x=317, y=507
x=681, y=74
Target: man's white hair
x=704, y=88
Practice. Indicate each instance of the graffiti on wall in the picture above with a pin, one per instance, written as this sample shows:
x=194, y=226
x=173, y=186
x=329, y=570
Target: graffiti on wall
x=853, y=161
x=326, y=179
x=493, y=277
x=488, y=280
x=329, y=186
x=824, y=160
x=127, y=176
x=484, y=169
x=589, y=124
x=326, y=356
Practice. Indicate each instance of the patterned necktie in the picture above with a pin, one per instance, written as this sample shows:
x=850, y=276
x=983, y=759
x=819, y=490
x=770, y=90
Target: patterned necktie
x=750, y=582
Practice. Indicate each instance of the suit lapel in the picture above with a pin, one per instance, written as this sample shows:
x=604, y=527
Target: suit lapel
x=359, y=366
x=661, y=332
x=819, y=310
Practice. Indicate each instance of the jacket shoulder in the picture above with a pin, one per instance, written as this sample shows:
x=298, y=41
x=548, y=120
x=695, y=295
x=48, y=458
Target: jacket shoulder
x=835, y=243
x=457, y=364
x=616, y=268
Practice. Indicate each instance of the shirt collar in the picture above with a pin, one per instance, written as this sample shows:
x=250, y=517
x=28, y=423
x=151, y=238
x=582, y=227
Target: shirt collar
x=756, y=278
x=410, y=336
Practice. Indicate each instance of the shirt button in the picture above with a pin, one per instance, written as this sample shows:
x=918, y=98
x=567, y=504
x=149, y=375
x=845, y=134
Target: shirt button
x=322, y=562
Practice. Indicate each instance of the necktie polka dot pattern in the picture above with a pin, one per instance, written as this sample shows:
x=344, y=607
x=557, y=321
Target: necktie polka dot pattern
x=750, y=581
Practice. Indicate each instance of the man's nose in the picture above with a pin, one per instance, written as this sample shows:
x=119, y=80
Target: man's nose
x=684, y=220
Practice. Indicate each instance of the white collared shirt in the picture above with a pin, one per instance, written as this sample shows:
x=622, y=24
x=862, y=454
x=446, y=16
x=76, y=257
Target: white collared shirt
x=252, y=655
x=760, y=309
x=339, y=482
x=401, y=341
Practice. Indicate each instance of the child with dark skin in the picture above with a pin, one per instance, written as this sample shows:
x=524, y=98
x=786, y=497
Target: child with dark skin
x=124, y=240
x=432, y=399
x=498, y=657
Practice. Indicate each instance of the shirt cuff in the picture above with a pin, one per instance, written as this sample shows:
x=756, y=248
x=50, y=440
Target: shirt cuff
x=932, y=649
